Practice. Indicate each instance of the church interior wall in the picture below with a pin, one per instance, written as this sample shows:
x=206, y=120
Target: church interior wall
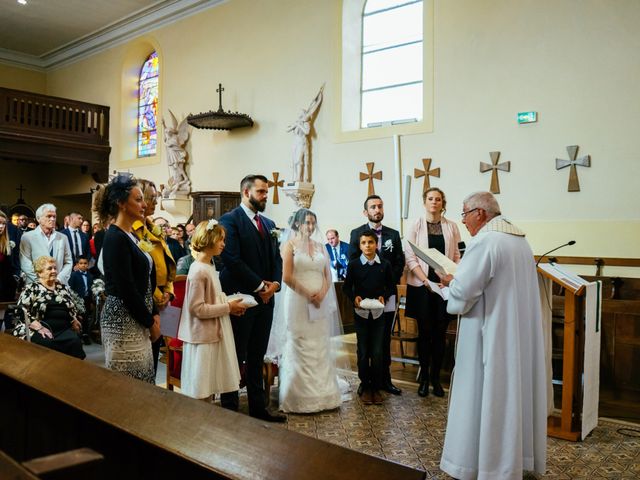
x=23, y=79
x=63, y=185
x=572, y=62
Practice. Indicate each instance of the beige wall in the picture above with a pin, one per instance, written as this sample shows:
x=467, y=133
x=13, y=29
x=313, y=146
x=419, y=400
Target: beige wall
x=22, y=79
x=62, y=185
x=574, y=62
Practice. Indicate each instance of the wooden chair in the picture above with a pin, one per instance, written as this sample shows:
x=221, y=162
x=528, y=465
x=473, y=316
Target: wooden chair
x=404, y=329
x=169, y=330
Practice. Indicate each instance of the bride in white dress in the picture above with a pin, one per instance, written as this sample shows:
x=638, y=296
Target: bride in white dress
x=305, y=321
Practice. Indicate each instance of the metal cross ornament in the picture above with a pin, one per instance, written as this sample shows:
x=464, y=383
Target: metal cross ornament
x=275, y=184
x=584, y=161
x=426, y=173
x=494, y=167
x=370, y=175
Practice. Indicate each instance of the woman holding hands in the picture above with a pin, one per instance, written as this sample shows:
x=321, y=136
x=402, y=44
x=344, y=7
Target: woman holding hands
x=429, y=309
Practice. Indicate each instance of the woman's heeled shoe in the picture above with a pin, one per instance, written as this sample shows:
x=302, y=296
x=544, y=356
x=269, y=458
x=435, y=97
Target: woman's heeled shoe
x=423, y=390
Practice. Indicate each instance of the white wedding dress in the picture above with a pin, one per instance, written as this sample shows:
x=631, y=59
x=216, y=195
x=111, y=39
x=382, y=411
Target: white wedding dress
x=307, y=372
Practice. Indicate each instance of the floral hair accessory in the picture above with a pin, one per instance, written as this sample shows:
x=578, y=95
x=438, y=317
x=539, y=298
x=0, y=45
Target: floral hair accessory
x=212, y=223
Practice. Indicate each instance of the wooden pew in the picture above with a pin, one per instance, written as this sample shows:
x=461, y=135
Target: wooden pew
x=52, y=403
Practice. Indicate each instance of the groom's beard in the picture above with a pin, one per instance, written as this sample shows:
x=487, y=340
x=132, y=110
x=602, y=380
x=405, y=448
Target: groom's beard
x=259, y=206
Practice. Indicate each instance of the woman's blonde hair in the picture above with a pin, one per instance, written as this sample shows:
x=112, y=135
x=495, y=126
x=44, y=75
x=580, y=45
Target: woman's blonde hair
x=206, y=235
x=5, y=246
x=40, y=263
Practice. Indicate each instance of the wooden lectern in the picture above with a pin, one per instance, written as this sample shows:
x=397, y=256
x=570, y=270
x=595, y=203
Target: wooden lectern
x=568, y=425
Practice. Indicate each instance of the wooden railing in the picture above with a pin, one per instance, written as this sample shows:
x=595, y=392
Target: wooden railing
x=53, y=116
x=598, y=262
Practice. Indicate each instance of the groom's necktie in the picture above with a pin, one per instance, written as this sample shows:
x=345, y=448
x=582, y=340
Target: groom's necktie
x=259, y=224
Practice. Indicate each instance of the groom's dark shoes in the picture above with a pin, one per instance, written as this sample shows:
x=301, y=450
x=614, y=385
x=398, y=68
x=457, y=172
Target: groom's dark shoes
x=391, y=388
x=270, y=417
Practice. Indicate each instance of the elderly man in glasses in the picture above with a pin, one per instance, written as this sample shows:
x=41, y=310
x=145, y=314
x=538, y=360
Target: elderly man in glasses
x=497, y=422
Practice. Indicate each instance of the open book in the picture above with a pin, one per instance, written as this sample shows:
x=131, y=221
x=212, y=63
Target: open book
x=436, y=260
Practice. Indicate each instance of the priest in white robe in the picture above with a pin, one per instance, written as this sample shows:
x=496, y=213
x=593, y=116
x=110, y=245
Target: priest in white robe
x=497, y=423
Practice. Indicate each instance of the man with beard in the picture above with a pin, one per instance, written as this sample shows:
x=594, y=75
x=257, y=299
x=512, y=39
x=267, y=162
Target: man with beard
x=389, y=248
x=252, y=265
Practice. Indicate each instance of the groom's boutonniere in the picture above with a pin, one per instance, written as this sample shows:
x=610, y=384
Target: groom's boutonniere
x=275, y=233
x=388, y=246
x=12, y=244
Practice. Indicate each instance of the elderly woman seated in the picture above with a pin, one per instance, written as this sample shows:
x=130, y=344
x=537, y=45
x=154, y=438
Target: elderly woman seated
x=51, y=312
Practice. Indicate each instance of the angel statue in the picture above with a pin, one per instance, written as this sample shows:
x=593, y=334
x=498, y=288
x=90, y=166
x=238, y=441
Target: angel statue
x=175, y=139
x=301, y=129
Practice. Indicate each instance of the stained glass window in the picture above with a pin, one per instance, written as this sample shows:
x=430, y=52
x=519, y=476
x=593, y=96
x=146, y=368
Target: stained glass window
x=392, y=68
x=148, y=106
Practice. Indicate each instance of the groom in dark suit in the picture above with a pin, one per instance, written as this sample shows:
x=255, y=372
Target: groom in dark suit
x=389, y=248
x=252, y=265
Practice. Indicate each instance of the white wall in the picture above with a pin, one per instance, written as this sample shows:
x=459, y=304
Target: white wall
x=572, y=61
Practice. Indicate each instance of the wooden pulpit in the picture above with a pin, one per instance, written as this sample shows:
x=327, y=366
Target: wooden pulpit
x=568, y=425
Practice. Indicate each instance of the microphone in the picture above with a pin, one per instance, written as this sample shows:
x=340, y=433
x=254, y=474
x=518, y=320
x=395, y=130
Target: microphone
x=462, y=247
x=570, y=242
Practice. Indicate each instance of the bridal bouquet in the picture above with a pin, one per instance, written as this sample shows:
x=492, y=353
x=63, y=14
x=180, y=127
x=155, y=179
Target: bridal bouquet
x=98, y=287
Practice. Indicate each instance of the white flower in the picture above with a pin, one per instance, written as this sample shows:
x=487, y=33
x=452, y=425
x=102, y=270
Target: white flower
x=212, y=223
x=12, y=244
x=388, y=245
x=275, y=233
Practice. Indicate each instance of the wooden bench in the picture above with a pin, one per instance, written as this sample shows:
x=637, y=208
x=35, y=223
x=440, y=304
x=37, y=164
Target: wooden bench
x=59, y=403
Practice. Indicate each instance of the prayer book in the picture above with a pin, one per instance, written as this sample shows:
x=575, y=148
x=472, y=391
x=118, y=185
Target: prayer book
x=436, y=260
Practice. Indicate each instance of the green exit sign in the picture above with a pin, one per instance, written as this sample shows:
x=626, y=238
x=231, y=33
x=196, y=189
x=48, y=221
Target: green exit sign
x=527, y=117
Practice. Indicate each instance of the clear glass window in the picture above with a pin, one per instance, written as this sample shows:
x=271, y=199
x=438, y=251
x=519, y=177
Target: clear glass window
x=392, y=62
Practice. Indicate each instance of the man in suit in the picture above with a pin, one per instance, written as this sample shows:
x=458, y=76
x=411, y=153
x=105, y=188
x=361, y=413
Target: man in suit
x=252, y=265
x=44, y=240
x=338, y=255
x=389, y=248
x=78, y=241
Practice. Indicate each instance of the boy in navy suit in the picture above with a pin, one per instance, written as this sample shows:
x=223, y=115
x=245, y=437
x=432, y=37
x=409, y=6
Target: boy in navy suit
x=80, y=282
x=371, y=277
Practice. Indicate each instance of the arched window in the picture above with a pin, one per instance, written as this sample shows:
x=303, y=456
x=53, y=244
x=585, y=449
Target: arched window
x=148, y=106
x=392, y=63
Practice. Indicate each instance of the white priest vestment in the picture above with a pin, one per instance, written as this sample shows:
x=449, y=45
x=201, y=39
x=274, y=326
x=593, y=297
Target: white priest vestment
x=497, y=423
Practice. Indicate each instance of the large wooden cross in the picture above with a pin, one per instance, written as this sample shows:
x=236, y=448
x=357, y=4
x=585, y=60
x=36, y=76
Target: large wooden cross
x=494, y=167
x=426, y=173
x=275, y=183
x=584, y=161
x=370, y=175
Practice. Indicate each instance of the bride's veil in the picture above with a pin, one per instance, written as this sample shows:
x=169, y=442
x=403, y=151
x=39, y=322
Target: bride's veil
x=302, y=236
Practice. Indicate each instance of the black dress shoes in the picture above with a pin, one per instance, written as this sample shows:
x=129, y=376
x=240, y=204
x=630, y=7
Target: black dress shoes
x=270, y=417
x=438, y=391
x=423, y=390
x=392, y=389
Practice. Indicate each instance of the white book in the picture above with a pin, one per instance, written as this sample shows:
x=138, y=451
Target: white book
x=436, y=260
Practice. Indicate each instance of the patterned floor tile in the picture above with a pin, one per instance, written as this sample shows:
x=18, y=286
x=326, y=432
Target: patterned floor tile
x=410, y=430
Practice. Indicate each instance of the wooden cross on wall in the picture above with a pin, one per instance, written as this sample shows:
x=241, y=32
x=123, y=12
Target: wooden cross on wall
x=426, y=173
x=370, y=175
x=275, y=183
x=494, y=167
x=584, y=161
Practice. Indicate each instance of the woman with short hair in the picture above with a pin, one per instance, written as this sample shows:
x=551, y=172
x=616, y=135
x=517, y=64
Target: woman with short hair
x=51, y=311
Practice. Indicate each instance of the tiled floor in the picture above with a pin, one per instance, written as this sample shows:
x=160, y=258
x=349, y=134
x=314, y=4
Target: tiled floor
x=410, y=430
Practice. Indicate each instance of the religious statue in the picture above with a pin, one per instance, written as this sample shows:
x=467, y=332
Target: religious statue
x=302, y=129
x=175, y=140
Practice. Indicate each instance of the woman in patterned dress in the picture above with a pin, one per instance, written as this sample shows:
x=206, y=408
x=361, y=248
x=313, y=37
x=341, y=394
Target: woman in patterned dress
x=51, y=311
x=129, y=322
